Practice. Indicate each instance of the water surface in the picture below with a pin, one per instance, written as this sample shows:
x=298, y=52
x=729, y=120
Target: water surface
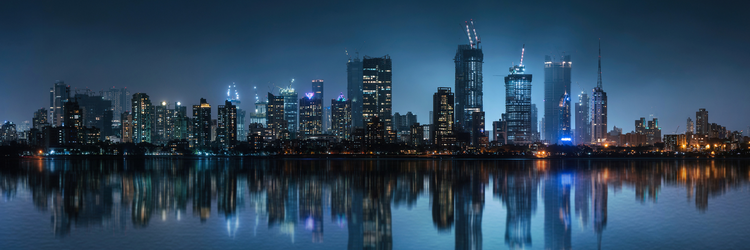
x=373, y=204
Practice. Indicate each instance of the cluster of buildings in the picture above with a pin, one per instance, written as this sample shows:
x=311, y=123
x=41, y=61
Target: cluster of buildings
x=363, y=120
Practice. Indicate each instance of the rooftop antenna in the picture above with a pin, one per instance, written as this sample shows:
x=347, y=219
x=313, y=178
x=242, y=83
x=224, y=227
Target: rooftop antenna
x=599, y=80
x=522, y=50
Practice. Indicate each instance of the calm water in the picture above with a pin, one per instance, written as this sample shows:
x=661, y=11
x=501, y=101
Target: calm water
x=374, y=204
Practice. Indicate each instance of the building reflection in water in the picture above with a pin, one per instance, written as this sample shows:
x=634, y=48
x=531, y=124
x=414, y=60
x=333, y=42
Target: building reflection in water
x=292, y=195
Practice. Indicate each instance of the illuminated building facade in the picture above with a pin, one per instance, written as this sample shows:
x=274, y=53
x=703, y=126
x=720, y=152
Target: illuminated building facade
x=701, y=122
x=120, y=99
x=583, y=123
x=40, y=119
x=202, y=124
x=234, y=97
x=376, y=92
x=556, y=84
x=518, y=105
x=317, y=88
x=564, y=120
x=58, y=95
x=443, y=133
x=311, y=115
x=341, y=117
x=599, y=109
x=126, y=136
x=142, y=118
x=290, y=109
x=478, y=137
x=275, y=115
x=469, y=84
x=226, y=130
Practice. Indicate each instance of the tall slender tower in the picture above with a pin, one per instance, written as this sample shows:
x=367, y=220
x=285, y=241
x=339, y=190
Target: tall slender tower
x=354, y=89
x=599, y=108
x=58, y=96
x=469, y=95
x=142, y=118
x=583, y=123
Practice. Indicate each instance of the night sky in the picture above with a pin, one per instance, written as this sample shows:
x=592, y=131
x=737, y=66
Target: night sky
x=658, y=58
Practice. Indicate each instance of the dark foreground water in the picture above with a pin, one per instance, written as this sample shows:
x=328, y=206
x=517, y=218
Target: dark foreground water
x=374, y=204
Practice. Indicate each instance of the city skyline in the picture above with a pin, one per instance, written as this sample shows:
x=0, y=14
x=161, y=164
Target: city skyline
x=149, y=66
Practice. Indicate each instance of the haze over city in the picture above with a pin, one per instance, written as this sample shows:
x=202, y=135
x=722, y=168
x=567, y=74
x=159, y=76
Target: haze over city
x=664, y=59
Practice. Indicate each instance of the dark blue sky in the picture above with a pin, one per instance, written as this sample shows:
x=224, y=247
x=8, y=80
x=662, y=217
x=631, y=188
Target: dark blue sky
x=665, y=59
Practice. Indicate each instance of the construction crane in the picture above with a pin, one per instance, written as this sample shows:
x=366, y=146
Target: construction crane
x=473, y=42
x=678, y=128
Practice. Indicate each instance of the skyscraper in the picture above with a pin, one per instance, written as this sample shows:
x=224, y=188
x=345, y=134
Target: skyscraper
x=202, y=124
x=40, y=119
x=556, y=84
x=310, y=115
x=583, y=124
x=317, y=88
x=701, y=122
x=534, y=123
x=162, y=120
x=690, y=126
x=469, y=96
x=120, y=99
x=599, y=108
x=518, y=104
x=234, y=97
x=564, y=120
x=354, y=90
x=181, y=122
x=57, y=97
x=126, y=135
x=226, y=130
x=341, y=117
x=142, y=118
x=443, y=121
x=477, y=129
x=290, y=109
x=376, y=93
x=275, y=115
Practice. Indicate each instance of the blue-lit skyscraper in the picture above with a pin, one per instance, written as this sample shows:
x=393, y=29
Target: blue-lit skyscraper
x=518, y=105
x=290, y=109
x=469, y=89
x=564, y=119
x=599, y=108
x=556, y=84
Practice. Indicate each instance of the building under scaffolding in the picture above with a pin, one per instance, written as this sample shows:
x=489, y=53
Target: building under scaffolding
x=518, y=105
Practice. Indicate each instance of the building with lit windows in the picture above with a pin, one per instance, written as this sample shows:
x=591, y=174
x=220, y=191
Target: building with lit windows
x=469, y=84
x=518, y=105
x=58, y=95
x=275, y=115
x=202, y=124
x=291, y=102
x=599, y=109
x=377, y=99
x=226, y=126
x=443, y=133
x=341, y=118
x=556, y=84
x=565, y=135
x=310, y=115
x=142, y=118
x=354, y=90
x=583, y=123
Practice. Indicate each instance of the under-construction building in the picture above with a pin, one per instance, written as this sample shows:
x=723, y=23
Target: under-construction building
x=518, y=105
x=468, y=91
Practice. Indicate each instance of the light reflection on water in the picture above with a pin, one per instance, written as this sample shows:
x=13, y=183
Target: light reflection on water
x=373, y=204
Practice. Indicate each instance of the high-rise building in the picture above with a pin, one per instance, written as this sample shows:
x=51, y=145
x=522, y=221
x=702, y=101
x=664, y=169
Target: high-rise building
x=443, y=121
x=58, y=95
x=354, y=87
x=518, y=105
x=120, y=99
x=72, y=115
x=534, y=123
x=40, y=119
x=202, y=124
x=97, y=113
x=376, y=93
x=556, y=84
x=327, y=119
x=317, y=88
x=234, y=97
x=126, y=136
x=310, y=115
x=469, y=90
x=701, y=122
x=162, y=119
x=564, y=120
x=181, y=122
x=653, y=132
x=599, y=108
x=690, y=126
x=291, y=100
x=583, y=123
x=275, y=115
x=142, y=118
x=226, y=129
x=258, y=116
x=341, y=117
x=477, y=129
